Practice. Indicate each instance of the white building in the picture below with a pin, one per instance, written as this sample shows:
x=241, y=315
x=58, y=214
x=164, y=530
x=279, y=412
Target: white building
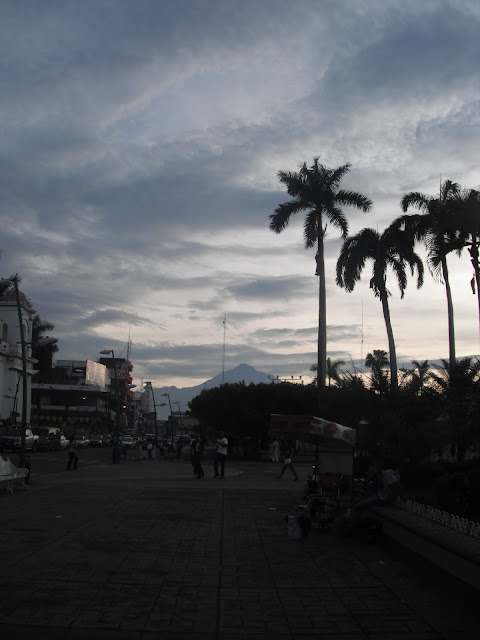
x=11, y=387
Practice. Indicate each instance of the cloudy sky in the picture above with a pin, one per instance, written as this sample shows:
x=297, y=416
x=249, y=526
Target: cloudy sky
x=140, y=145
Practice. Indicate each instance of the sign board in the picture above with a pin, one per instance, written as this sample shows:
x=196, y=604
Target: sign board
x=297, y=426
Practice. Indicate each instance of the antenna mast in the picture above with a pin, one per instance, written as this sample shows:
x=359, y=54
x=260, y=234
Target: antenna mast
x=224, y=333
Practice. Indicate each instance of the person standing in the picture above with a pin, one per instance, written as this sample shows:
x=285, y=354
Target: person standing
x=196, y=455
x=287, y=464
x=220, y=455
x=72, y=454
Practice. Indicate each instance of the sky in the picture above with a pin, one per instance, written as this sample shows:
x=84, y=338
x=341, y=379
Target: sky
x=140, y=146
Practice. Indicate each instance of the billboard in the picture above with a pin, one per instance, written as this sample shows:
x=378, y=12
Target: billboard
x=96, y=374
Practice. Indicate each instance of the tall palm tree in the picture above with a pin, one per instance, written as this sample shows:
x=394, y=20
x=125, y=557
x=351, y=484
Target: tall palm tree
x=393, y=248
x=436, y=226
x=316, y=190
x=467, y=212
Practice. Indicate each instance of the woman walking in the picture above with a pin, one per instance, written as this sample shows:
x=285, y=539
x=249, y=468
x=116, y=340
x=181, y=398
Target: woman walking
x=287, y=463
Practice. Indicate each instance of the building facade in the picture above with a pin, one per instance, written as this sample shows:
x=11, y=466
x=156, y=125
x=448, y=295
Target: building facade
x=11, y=364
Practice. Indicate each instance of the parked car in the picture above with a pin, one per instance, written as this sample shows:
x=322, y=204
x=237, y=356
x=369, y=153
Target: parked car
x=128, y=441
x=107, y=440
x=11, y=441
x=64, y=442
x=96, y=440
x=48, y=438
x=82, y=441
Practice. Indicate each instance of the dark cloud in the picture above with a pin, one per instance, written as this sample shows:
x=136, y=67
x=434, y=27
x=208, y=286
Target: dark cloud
x=141, y=143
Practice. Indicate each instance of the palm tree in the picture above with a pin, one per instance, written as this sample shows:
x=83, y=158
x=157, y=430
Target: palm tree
x=467, y=212
x=316, y=190
x=377, y=361
x=436, y=226
x=393, y=248
x=333, y=370
x=417, y=376
x=459, y=385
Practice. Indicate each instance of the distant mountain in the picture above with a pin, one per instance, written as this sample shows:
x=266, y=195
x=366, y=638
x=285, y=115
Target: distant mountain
x=242, y=373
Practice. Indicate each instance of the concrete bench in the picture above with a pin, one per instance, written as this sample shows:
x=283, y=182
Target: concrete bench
x=445, y=550
x=10, y=475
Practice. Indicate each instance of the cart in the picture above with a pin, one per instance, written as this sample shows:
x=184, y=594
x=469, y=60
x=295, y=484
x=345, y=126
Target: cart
x=332, y=491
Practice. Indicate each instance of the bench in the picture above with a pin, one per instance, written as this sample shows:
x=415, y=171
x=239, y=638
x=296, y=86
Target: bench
x=12, y=475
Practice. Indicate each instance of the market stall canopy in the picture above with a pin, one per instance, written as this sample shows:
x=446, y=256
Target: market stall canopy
x=310, y=428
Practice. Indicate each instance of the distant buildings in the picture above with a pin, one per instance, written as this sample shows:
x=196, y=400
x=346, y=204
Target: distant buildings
x=74, y=395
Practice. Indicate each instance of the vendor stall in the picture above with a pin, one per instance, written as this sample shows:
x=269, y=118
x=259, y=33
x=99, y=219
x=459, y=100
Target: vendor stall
x=334, y=448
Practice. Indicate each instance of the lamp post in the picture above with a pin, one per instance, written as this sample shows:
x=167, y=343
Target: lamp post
x=149, y=384
x=179, y=416
x=116, y=448
x=170, y=406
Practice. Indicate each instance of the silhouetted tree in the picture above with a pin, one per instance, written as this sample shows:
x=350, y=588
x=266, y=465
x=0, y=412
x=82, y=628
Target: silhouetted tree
x=316, y=190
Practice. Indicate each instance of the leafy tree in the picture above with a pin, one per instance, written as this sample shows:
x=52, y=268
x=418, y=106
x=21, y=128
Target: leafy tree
x=393, y=248
x=316, y=190
x=437, y=227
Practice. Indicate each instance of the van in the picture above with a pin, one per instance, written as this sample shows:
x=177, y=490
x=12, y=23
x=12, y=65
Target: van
x=48, y=438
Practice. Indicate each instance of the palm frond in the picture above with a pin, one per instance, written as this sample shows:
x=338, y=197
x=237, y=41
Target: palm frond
x=335, y=176
x=338, y=219
x=415, y=199
x=353, y=199
x=280, y=219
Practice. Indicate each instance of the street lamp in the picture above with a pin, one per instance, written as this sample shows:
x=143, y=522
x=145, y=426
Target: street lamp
x=116, y=448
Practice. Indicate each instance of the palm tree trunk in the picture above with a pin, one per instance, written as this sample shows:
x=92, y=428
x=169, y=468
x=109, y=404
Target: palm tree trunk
x=451, y=325
x=322, y=313
x=391, y=341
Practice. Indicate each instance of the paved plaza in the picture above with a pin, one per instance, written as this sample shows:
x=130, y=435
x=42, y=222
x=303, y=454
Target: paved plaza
x=143, y=550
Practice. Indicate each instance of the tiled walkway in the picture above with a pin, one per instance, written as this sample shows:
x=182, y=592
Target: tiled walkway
x=143, y=550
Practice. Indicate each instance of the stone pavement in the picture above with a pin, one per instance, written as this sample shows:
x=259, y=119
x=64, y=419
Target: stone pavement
x=142, y=550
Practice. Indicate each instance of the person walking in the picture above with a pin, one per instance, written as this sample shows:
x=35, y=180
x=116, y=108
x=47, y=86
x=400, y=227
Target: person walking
x=220, y=455
x=72, y=455
x=287, y=464
x=196, y=446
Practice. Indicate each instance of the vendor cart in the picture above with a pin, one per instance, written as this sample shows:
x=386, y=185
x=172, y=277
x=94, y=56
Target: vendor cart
x=334, y=449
